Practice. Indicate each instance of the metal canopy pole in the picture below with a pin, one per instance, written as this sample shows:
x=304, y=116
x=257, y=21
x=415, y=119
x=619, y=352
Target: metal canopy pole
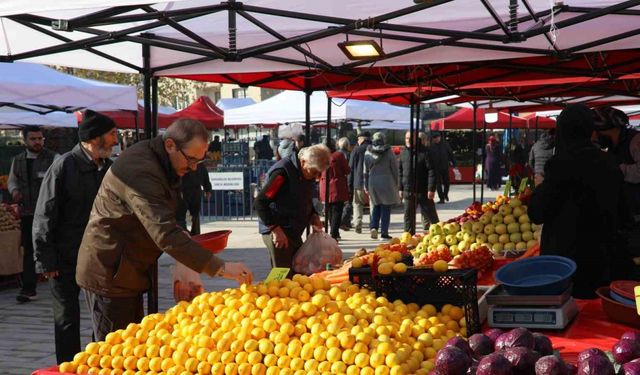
x=327, y=173
x=484, y=156
x=414, y=166
x=412, y=147
x=136, y=126
x=154, y=105
x=474, y=147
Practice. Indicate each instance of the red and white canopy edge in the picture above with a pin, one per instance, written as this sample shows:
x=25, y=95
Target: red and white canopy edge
x=304, y=34
x=289, y=106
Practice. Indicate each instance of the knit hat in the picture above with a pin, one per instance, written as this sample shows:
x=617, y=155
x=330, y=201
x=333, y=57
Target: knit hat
x=93, y=125
x=607, y=117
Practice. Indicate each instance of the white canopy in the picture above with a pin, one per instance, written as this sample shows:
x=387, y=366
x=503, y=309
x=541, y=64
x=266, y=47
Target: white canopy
x=479, y=39
x=289, y=106
x=231, y=103
x=389, y=125
x=34, y=84
x=11, y=118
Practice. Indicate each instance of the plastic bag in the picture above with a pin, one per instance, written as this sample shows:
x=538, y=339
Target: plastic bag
x=457, y=175
x=315, y=253
x=186, y=283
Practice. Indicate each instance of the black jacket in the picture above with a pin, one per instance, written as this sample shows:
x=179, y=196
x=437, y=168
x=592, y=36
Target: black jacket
x=425, y=173
x=62, y=212
x=356, y=163
x=581, y=206
x=441, y=155
x=196, y=181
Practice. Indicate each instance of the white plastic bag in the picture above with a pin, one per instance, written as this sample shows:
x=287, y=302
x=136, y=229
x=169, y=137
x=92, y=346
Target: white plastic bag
x=315, y=253
x=186, y=283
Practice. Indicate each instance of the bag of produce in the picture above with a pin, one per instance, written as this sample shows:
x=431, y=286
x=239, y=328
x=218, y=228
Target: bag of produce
x=186, y=283
x=315, y=253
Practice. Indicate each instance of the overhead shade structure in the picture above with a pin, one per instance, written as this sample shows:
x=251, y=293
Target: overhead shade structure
x=634, y=120
x=539, y=122
x=231, y=103
x=11, y=118
x=388, y=125
x=127, y=119
x=394, y=95
x=463, y=119
x=204, y=111
x=25, y=83
x=289, y=106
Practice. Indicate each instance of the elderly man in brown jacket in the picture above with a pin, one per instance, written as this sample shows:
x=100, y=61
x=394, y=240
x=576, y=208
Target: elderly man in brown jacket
x=133, y=221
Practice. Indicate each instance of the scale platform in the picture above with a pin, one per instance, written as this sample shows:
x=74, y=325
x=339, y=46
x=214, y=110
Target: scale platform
x=537, y=312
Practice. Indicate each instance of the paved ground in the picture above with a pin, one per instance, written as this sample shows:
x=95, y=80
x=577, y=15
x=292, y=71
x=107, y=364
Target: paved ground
x=26, y=330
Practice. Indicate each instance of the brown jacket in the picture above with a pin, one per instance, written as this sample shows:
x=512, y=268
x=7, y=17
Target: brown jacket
x=132, y=222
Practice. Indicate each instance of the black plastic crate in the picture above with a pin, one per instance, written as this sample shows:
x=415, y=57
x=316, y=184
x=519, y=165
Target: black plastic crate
x=425, y=286
x=362, y=277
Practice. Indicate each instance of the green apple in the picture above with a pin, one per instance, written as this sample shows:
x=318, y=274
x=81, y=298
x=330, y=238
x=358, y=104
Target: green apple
x=451, y=239
x=509, y=246
x=497, y=219
x=489, y=229
x=536, y=235
x=474, y=246
x=460, y=236
x=497, y=248
x=508, y=219
x=455, y=227
x=504, y=238
x=523, y=219
x=435, y=229
x=481, y=238
x=531, y=243
x=454, y=250
x=485, y=219
x=517, y=212
x=442, y=247
x=463, y=245
x=470, y=237
x=477, y=228
x=513, y=228
x=515, y=237
x=527, y=236
x=493, y=238
x=505, y=210
x=521, y=246
x=467, y=226
x=515, y=202
x=501, y=229
x=437, y=240
x=525, y=227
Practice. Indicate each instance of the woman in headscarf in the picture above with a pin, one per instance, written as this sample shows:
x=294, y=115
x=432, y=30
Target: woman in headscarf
x=580, y=204
x=492, y=163
x=381, y=182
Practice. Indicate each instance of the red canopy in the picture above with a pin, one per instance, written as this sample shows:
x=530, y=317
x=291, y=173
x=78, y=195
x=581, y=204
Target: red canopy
x=543, y=122
x=393, y=95
x=463, y=119
x=203, y=110
x=127, y=119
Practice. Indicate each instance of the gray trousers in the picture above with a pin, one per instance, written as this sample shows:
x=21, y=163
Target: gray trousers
x=358, y=207
x=282, y=257
x=109, y=314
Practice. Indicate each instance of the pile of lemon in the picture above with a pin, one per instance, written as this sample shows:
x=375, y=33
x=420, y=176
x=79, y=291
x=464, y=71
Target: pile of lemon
x=388, y=261
x=299, y=326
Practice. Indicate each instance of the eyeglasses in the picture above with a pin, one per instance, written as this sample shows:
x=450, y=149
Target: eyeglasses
x=191, y=161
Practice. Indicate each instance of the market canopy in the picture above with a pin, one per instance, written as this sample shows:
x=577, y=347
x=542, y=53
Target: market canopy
x=38, y=85
x=127, y=119
x=231, y=103
x=463, y=119
x=289, y=106
x=539, y=122
x=12, y=118
x=204, y=111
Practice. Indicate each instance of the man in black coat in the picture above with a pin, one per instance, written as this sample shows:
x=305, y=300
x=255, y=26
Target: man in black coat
x=62, y=212
x=425, y=182
x=193, y=183
x=356, y=179
x=581, y=204
x=441, y=157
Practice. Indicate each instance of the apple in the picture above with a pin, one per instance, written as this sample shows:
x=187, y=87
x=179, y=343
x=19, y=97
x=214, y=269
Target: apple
x=501, y=229
x=527, y=236
x=467, y=226
x=442, y=247
x=508, y=219
x=477, y=227
x=509, y=246
x=431, y=248
x=437, y=240
x=534, y=227
x=513, y=228
x=497, y=248
x=454, y=250
x=497, y=219
x=523, y=219
x=485, y=219
x=505, y=210
x=515, y=202
x=463, y=245
x=521, y=246
x=525, y=227
x=481, y=238
x=420, y=249
x=474, y=246
x=515, y=237
x=451, y=239
x=531, y=243
x=504, y=238
x=517, y=212
x=470, y=237
x=435, y=229
x=460, y=236
x=493, y=238
x=489, y=229
x=536, y=235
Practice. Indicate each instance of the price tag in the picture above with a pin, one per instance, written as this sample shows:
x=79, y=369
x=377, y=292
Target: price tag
x=523, y=184
x=507, y=188
x=277, y=274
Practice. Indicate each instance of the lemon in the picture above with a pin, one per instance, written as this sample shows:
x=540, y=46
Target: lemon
x=440, y=266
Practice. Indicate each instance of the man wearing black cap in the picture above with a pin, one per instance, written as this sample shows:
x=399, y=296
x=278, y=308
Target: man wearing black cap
x=356, y=178
x=62, y=212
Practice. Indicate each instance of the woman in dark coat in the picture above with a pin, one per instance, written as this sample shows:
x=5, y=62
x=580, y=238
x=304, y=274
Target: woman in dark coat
x=338, y=188
x=580, y=204
x=492, y=162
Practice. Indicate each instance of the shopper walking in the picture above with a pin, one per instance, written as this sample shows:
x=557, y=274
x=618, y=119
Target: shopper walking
x=381, y=183
x=132, y=223
x=493, y=163
x=425, y=183
x=442, y=158
x=540, y=153
x=27, y=171
x=344, y=146
x=580, y=204
x=356, y=179
x=338, y=190
x=62, y=212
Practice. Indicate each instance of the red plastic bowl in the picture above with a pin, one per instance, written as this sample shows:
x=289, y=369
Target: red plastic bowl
x=617, y=311
x=213, y=241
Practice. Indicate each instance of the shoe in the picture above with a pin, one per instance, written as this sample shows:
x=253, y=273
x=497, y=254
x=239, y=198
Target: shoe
x=26, y=297
x=358, y=230
x=345, y=228
x=446, y=197
x=374, y=234
x=386, y=237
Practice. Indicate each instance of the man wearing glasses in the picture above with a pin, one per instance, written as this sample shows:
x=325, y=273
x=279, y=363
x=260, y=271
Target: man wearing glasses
x=133, y=221
x=27, y=171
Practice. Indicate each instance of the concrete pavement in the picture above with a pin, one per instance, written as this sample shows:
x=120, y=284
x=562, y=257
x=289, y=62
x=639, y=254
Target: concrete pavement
x=26, y=330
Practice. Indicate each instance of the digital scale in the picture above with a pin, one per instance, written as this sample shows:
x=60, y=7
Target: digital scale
x=536, y=312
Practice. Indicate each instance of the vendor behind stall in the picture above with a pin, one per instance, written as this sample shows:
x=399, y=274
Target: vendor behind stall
x=284, y=205
x=580, y=204
x=133, y=221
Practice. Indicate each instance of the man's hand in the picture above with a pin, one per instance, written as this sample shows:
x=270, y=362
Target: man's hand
x=15, y=194
x=207, y=195
x=431, y=195
x=237, y=271
x=50, y=275
x=316, y=223
x=279, y=238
